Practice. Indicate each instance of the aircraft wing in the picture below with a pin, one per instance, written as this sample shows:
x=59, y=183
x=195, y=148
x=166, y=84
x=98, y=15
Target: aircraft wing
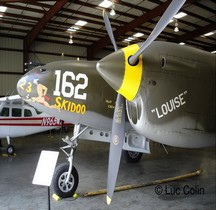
x=10, y=98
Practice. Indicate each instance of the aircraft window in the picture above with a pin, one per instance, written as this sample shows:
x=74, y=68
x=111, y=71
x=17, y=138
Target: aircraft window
x=5, y=112
x=16, y=112
x=27, y=113
x=38, y=112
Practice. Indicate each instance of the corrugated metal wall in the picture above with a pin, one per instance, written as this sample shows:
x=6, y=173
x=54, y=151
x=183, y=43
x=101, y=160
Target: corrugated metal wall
x=11, y=56
x=11, y=43
x=41, y=50
x=11, y=59
x=8, y=84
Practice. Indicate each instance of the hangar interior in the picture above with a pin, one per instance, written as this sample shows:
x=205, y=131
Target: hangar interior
x=40, y=32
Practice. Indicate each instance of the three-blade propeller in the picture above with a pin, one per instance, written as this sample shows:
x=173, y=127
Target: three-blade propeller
x=118, y=125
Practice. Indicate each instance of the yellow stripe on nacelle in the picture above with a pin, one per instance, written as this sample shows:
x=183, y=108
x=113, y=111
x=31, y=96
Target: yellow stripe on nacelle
x=133, y=74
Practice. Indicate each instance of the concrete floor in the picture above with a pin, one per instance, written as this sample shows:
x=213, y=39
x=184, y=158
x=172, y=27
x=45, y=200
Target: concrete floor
x=18, y=193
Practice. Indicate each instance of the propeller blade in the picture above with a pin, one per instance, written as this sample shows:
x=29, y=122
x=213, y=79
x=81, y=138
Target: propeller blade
x=109, y=29
x=118, y=129
x=116, y=144
x=172, y=9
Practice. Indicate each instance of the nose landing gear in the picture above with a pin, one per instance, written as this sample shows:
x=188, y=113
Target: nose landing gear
x=66, y=178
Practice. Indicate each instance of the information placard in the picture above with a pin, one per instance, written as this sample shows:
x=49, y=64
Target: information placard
x=45, y=168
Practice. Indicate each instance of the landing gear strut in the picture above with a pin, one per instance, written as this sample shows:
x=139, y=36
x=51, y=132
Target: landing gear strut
x=66, y=178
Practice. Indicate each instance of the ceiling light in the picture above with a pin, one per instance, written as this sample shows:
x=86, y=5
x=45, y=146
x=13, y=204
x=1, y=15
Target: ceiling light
x=71, y=40
x=73, y=29
x=176, y=29
x=3, y=8
x=182, y=43
x=105, y=4
x=131, y=38
x=213, y=52
x=138, y=34
x=127, y=40
x=80, y=23
x=180, y=15
x=209, y=34
x=112, y=12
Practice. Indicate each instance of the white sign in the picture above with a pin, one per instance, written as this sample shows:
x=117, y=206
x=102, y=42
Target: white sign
x=45, y=168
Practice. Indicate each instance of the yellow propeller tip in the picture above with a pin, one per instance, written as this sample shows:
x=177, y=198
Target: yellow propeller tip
x=108, y=200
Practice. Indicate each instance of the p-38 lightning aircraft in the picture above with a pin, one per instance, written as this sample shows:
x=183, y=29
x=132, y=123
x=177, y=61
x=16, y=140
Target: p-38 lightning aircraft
x=18, y=118
x=166, y=90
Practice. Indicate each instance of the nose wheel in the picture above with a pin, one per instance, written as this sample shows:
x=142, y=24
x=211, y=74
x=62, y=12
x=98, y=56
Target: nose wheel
x=132, y=157
x=62, y=187
x=10, y=149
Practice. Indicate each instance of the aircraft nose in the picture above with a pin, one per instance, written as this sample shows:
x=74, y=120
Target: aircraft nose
x=24, y=86
x=119, y=74
x=111, y=68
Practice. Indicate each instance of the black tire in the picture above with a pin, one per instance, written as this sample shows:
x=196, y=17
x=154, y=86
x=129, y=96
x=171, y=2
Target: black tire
x=61, y=189
x=10, y=149
x=132, y=157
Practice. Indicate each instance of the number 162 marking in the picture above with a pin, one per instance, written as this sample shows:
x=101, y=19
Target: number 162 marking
x=67, y=88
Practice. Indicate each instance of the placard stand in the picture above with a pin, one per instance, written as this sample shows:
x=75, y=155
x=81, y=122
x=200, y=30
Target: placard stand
x=48, y=193
x=45, y=169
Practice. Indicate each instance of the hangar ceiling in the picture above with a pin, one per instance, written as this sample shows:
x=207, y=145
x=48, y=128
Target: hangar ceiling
x=49, y=21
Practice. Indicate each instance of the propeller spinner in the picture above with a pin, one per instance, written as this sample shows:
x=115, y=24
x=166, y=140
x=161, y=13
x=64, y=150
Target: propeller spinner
x=125, y=77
